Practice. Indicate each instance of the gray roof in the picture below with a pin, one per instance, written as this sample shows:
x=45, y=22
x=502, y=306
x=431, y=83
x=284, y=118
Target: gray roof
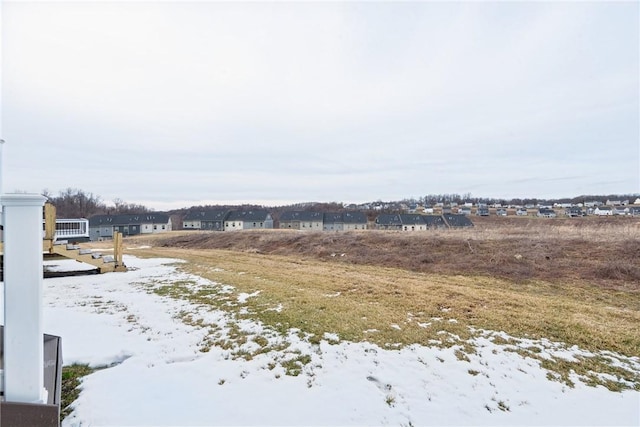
x=457, y=220
x=249, y=215
x=411, y=219
x=388, y=219
x=348, y=217
x=301, y=216
x=129, y=219
x=209, y=215
x=332, y=218
x=352, y=217
x=433, y=221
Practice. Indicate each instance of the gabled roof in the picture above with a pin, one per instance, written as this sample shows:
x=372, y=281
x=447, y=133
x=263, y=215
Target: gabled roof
x=249, y=215
x=411, y=219
x=332, y=218
x=388, y=219
x=353, y=217
x=457, y=220
x=301, y=216
x=209, y=215
x=433, y=221
x=348, y=217
x=129, y=219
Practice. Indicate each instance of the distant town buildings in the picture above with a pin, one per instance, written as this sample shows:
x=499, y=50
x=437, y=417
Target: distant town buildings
x=408, y=217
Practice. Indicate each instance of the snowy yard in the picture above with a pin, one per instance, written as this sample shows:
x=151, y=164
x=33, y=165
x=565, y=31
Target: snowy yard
x=167, y=367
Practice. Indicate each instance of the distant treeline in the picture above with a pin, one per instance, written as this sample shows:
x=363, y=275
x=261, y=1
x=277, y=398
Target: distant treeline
x=76, y=203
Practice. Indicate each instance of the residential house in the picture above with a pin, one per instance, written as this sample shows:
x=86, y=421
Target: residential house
x=410, y=222
x=620, y=210
x=388, y=222
x=501, y=212
x=603, y=211
x=546, y=213
x=434, y=221
x=332, y=222
x=573, y=211
x=103, y=226
x=252, y=219
x=634, y=210
x=413, y=222
x=353, y=220
x=205, y=220
x=305, y=221
x=464, y=210
x=482, y=211
x=521, y=212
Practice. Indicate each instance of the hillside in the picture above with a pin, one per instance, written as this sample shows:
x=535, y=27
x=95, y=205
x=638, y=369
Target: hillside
x=602, y=251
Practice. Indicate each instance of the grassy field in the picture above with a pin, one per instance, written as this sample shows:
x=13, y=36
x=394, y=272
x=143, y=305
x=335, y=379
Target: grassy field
x=574, y=282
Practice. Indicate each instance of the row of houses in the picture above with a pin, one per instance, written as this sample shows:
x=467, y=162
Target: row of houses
x=548, y=212
x=102, y=227
x=228, y=220
x=418, y=222
x=616, y=210
x=222, y=220
x=323, y=221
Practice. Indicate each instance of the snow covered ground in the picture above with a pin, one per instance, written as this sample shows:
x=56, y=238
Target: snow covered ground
x=159, y=375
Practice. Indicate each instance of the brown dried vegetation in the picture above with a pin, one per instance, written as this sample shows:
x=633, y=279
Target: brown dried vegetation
x=599, y=251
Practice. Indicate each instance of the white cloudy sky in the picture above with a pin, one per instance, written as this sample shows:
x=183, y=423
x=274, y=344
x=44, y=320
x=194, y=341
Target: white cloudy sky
x=178, y=103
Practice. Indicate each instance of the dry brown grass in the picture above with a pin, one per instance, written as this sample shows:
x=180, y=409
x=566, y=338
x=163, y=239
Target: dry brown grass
x=599, y=251
x=531, y=279
x=351, y=299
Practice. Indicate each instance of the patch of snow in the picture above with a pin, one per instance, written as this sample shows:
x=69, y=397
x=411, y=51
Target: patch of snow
x=161, y=375
x=277, y=308
x=243, y=296
x=337, y=294
x=332, y=337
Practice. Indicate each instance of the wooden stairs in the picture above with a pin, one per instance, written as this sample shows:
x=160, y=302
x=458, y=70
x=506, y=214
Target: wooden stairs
x=104, y=263
x=62, y=248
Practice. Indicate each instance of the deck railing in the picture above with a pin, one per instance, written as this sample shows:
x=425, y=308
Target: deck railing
x=72, y=228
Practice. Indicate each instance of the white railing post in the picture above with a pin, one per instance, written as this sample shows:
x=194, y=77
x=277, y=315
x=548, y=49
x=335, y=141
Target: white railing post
x=23, y=330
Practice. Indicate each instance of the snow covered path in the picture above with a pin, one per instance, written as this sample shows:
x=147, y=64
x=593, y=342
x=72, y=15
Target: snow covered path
x=159, y=375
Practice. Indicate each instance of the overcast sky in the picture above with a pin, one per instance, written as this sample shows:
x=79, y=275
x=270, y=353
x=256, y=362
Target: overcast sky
x=172, y=104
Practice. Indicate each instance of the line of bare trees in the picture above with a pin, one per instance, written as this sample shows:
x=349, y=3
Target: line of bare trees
x=76, y=203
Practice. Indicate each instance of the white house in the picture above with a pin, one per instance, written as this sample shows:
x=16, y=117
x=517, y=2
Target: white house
x=603, y=211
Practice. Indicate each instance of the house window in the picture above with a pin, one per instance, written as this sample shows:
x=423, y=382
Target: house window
x=163, y=227
x=155, y=227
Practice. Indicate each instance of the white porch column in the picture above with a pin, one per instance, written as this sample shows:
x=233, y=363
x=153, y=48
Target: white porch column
x=23, y=339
